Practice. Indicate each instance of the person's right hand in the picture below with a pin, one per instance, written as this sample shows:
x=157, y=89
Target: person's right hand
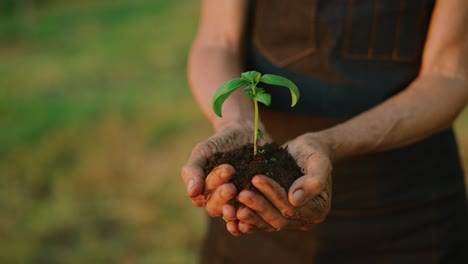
x=215, y=192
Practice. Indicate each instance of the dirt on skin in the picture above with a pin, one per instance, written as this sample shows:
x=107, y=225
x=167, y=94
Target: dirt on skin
x=271, y=160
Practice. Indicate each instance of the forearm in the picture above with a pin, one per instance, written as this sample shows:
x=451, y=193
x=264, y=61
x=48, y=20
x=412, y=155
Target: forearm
x=429, y=105
x=208, y=69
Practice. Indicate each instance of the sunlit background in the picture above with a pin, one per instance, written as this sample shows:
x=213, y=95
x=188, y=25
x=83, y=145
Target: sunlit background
x=96, y=119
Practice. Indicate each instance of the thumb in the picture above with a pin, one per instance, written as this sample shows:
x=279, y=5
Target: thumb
x=193, y=171
x=194, y=179
x=305, y=189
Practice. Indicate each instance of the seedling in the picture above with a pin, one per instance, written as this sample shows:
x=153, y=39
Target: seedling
x=250, y=81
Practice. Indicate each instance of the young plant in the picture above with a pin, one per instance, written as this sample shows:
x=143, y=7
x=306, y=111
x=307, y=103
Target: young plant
x=251, y=79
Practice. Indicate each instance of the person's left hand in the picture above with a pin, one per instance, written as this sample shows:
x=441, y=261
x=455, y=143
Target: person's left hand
x=307, y=202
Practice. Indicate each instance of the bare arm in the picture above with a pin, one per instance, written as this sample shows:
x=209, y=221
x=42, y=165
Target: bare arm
x=430, y=104
x=216, y=56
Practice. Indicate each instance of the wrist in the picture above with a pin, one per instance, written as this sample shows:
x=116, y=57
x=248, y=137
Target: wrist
x=342, y=144
x=325, y=143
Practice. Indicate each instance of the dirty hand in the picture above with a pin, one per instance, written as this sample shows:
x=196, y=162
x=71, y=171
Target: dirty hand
x=308, y=200
x=215, y=192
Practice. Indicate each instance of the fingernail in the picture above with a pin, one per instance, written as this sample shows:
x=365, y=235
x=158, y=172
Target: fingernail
x=190, y=185
x=224, y=175
x=224, y=194
x=299, y=196
x=256, y=181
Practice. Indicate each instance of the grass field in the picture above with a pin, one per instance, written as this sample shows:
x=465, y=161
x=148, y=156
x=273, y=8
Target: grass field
x=96, y=119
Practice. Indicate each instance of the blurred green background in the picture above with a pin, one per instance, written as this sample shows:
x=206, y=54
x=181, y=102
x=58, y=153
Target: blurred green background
x=96, y=119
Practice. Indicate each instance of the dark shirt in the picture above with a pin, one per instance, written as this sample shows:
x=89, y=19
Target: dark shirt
x=406, y=205
x=345, y=56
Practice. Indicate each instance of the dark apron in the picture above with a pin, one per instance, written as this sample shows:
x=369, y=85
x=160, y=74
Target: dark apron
x=387, y=207
x=401, y=206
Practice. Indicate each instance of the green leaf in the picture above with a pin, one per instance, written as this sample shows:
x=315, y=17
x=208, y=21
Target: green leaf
x=224, y=92
x=260, y=134
x=281, y=81
x=249, y=95
x=259, y=90
x=251, y=76
x=263, y=98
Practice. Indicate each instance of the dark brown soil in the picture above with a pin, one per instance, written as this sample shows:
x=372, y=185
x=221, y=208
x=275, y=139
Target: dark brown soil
x=271, y=160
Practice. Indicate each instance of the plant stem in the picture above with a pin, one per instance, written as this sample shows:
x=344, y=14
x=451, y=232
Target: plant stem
x=255, y=127
x=254, y=91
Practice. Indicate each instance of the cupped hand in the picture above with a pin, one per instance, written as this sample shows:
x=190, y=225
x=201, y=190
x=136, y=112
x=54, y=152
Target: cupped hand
x=215, y=192
x=306, y=203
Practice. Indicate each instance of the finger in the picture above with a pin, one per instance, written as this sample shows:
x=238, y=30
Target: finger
x=192, y=172
x=314, y=182
x=198, y=202
x=247, y=216
x=246, y=228
x=194, y=178
x=229, y=212
x=317, y=209
x=221, y=196
x=275, y=193
x=305, y=189
x=307, y=227
x=232, y=227
x=263, y=208
x=218, y=176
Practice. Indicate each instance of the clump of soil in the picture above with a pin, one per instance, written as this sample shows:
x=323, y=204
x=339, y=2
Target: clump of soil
x=271, y=160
